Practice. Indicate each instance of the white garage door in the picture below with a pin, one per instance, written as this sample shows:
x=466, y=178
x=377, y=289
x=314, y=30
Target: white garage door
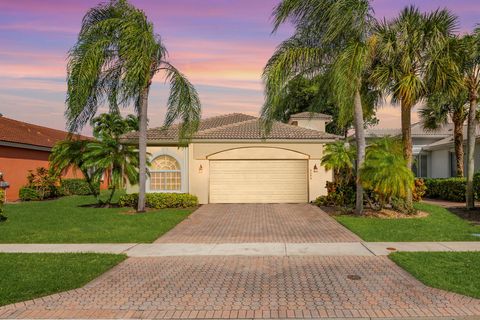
x=262, y=181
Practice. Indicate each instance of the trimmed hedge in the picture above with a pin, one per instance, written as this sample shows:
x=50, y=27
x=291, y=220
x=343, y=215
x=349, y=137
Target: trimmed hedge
x=70, y=187
x=160, y=200
x=28, y=194
x=2, y=201
x=451, y=189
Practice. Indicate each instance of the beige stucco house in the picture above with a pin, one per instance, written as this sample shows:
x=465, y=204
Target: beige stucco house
x=229, y=160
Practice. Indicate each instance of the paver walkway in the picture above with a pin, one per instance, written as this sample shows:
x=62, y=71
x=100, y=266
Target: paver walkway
x=250, y=223
x=290, y=271
x=250, y=287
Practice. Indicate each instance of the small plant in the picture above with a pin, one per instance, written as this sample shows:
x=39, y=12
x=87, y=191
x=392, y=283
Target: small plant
x=160, y=200
x=419, y=190
x=43, y=182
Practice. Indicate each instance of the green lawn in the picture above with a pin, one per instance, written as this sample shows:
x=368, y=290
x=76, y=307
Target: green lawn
x=440, y=225
x=65, y=221
x=452, y=271
x=25, y=276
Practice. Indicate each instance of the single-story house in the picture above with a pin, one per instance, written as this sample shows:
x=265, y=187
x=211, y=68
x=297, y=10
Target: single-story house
x=433, y=151
x=230, y=161
x=25, y=147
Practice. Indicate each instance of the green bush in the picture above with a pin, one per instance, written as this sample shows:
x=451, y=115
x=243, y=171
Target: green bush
x=69, y=187
x=160, y=200
x=28, y=194
x=450, y=189
x=338, y=195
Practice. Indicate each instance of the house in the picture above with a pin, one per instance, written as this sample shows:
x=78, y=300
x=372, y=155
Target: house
x=24, y=147
x=229, y=160
x=433, y=151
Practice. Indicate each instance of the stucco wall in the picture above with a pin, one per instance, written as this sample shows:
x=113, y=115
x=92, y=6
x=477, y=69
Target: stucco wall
x=15, y=164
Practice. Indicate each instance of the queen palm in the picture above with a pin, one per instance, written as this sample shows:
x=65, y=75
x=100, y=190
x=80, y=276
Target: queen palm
x=331, y=37
x=437, y=112
x=116, y=56
x=412, y=61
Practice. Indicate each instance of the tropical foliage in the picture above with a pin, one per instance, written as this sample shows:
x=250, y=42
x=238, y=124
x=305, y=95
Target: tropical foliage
x=116, y=56
x=385, y=173
x=105, y=156
x=339, y=157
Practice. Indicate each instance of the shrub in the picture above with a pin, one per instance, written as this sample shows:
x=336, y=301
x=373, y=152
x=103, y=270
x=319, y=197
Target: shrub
x=28, y=194
x=160, y=200
x=43, y=182
x=419, y=190
x=69, y=187
x=451, y=189
x=337, y=195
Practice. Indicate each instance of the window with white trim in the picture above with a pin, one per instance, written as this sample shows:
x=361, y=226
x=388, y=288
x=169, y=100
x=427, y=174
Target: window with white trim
x=165, y=174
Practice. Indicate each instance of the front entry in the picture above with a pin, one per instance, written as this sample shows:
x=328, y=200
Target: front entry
x=258, y=181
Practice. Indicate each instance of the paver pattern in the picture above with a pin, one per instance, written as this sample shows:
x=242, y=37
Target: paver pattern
x=248, y=223
x=250, y=287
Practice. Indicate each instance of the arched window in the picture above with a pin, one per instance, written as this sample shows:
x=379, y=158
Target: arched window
x=165, y=174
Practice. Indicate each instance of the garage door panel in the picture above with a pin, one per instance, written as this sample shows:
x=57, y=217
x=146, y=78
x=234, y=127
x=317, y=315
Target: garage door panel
x=268, y=181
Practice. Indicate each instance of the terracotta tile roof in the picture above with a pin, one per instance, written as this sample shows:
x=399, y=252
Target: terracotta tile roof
x=30, y=134
x=235, y=126
x=311, y=115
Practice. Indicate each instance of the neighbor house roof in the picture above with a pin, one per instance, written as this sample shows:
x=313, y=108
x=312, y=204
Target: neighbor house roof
x=417, y=131
x=22, y=134
x=235, y=126
x=311, y=115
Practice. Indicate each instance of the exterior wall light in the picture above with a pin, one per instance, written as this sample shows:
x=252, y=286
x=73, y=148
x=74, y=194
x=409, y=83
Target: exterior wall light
x=315, y=168
x=200, y=169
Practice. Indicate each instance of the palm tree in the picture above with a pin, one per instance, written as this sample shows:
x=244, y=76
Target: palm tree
x=70, y=153
x=469, y=67
x=383, y=158
x=338, y=156
x=113, y=125
x=119, y=162
x=412, y=61
x=439, y=108
x=331, y=37
x=116, y=56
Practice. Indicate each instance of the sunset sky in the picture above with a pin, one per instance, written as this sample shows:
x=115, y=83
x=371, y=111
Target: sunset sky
x=221, y=45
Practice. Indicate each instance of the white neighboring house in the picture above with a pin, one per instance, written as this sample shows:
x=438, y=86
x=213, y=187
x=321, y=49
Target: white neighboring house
x=433, y=151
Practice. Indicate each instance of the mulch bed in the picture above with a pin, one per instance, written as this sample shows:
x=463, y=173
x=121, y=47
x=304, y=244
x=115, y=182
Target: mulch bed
x=369, y=213
x=472, y=216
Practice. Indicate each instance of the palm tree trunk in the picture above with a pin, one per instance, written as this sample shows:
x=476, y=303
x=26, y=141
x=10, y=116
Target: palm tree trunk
x=407, y=144
x=360, y=135
x=142, y=149
x=458, y=142
x=471, y=132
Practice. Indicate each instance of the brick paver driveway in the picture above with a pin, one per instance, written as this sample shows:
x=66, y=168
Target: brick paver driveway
x=236, y=223
x=250, y=287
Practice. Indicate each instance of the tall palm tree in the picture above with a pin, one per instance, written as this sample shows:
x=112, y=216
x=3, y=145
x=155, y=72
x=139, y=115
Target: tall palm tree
x=330, y=37
x=437, y=112
x=412, y=61
x=116, y=56
x=469, y=67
